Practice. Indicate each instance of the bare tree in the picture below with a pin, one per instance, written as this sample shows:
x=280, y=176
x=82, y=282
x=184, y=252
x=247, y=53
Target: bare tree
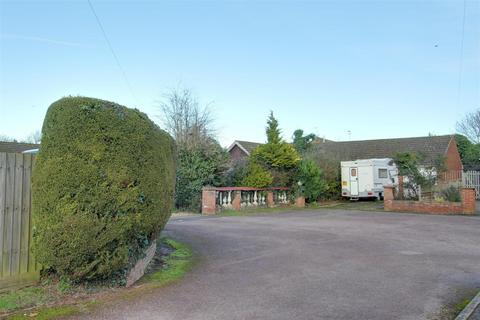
x=34, y=137
x=5, y=138
x=470, y=126
x=189, y=123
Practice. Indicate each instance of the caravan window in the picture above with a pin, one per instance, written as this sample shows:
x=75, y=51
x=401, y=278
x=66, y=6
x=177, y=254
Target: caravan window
x=382, y=173
x=353, y=172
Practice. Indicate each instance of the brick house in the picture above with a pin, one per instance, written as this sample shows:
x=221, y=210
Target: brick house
x=432, y=148
x=240, y=150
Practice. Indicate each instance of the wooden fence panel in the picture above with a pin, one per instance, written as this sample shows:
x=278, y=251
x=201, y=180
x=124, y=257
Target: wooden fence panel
x=17, y=265
x=26, y=219
x=3, y=183
x=8, y=229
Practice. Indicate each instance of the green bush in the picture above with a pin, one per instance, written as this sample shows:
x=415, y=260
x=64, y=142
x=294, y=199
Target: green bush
x=256, y=176
x=450, y=193
x=198, y=167
x=276, y=155
x=469, y=152
x=235, y=174
x=330, y=168
x=310, y=181
x=103, y=188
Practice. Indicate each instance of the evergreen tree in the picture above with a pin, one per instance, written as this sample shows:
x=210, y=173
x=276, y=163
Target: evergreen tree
x=272, y=130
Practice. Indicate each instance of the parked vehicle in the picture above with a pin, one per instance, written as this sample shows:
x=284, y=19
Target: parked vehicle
x=365, y=178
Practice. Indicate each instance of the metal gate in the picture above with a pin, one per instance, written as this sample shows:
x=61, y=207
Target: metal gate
x=471, y=179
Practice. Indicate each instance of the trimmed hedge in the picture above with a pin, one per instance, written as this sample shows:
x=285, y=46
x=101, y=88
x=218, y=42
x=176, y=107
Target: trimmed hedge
x=103, y=188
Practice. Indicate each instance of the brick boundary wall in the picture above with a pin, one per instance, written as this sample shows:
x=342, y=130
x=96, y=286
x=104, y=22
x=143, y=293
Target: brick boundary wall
x=467, y=206
x=209, y=203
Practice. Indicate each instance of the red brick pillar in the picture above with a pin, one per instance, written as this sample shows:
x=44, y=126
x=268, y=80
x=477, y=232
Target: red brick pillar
x=208, y=201
x=387, y=197
x=468, y=200
x=300, y=202
x=270, y=202
x=388, y=192
x=236, y=201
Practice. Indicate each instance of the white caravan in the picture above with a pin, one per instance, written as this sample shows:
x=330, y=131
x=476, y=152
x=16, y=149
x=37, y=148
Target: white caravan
x=366, y=178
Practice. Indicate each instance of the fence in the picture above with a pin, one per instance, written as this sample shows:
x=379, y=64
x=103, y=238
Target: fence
x=17, y=264
x=250, y=197
x=468, y=179
x=471, y=179
x=215, y=199
x=467, y=205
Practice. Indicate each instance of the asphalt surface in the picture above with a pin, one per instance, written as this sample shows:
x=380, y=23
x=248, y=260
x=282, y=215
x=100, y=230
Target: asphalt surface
x=325, y=264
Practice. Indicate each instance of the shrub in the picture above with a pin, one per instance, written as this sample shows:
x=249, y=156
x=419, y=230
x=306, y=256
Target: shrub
x=235, y=174
x=197, y=167
x=276, y=155
x=330, y=168
x=450, y=193
x=256, y=176
x=407, y=164
x=103, y=187
x=310, y=182
x=302, y=143
x=469, y=152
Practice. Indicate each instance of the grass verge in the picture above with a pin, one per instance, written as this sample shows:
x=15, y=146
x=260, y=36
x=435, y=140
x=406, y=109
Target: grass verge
x=459, y=299
x=51, y=300
x=338, y=205
x=353, y=205
x=260, y=210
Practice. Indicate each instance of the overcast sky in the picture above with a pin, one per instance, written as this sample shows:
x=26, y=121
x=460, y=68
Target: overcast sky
x=375, y=68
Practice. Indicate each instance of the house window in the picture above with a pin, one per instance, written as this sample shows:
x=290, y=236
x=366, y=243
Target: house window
x=382, y=173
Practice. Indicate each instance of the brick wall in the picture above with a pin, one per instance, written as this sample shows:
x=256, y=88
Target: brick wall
x=237, y=154
x=208, y=201
x=452, y=160
x=467, y=206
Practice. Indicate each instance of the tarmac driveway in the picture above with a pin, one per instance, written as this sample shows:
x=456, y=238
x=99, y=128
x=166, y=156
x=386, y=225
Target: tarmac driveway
x=325, y=264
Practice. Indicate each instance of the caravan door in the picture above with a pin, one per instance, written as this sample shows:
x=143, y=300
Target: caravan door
x=354, y=181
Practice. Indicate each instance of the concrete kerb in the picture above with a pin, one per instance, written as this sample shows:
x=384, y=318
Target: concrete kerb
x=470, y=308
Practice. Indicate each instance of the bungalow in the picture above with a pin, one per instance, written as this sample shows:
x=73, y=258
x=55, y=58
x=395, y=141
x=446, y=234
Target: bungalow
x=239, y=150
x=432, y=148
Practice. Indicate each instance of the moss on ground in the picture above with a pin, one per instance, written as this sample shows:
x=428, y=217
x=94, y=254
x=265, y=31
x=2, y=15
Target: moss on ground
x=175, y=265
x=22, y=298
x=47, y=313
x=49, y=300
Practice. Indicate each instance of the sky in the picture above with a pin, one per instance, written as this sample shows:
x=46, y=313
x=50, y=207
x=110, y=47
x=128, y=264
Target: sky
x=344, y=70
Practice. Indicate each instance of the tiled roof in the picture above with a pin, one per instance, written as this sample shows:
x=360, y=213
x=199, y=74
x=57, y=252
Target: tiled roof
x=247, y=145
x=17, y=146
x=431, y=148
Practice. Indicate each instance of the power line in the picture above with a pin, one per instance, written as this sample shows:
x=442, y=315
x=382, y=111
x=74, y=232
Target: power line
x=460, y=66
x=130, y=88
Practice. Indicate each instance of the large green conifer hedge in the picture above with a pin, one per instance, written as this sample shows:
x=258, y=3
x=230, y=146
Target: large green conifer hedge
x=103, y=187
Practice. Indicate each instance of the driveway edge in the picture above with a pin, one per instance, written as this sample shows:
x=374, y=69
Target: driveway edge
x=470, y=308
